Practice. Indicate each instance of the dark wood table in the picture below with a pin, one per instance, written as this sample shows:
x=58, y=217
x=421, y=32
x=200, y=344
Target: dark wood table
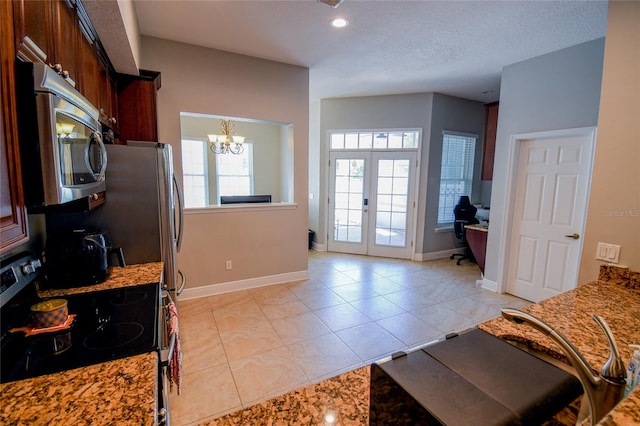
x=477, y=239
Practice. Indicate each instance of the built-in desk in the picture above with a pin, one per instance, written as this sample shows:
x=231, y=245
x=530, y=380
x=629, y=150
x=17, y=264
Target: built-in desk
x=477, y=238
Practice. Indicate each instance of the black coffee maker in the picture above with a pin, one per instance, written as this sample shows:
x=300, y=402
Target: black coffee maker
x=79, y=257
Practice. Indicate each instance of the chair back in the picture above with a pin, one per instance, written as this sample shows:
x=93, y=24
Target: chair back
x=465, y=214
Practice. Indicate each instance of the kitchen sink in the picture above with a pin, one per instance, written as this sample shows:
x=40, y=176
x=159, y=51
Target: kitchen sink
x=469, y=378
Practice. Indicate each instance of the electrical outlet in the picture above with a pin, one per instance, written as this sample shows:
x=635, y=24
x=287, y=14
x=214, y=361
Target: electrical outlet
x=608, y=252
x=229, y=265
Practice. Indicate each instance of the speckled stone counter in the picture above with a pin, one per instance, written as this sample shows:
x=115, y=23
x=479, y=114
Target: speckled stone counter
x=341, y=400
x=130, y=275
x=617, y=300
x=120, y=392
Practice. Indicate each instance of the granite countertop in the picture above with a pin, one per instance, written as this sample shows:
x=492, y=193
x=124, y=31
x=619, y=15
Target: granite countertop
x=129, y=276
x=341, y=400
x=616, y=298
x=120, y=392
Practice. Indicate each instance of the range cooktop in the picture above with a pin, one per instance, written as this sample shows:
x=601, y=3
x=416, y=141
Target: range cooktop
x=108, y=325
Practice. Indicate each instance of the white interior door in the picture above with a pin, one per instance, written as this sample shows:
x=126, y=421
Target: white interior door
x=549, y=215
x=371, y=203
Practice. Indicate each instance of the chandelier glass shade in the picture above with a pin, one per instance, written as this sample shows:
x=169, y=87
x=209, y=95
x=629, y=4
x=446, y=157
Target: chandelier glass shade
x=227, y=141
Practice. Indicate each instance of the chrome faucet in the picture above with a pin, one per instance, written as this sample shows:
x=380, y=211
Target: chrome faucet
x=604, y=391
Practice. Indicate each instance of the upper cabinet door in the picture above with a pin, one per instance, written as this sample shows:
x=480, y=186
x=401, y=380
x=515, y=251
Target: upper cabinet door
x=13, y=214
x=65, y=37
x=137, y=106
x=33, y=23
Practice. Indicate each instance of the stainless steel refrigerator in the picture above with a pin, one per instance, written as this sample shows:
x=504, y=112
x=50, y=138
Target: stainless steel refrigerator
x=144, y=209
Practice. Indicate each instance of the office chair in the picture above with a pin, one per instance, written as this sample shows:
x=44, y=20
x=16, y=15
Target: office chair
x=465, y=214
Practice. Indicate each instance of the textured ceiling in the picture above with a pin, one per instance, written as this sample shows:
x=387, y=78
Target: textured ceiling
x=393, y=46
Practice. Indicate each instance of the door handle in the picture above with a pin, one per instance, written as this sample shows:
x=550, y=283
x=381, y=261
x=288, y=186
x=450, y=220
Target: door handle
x=575, y=236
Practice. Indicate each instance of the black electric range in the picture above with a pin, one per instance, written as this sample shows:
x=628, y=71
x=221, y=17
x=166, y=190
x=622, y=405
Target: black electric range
x=108, y=325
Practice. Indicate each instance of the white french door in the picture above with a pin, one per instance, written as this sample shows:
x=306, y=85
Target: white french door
x=371, y=202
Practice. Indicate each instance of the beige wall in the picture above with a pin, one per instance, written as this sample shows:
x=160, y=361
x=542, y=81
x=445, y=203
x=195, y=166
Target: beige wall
x=194, y=79
x=614, y=204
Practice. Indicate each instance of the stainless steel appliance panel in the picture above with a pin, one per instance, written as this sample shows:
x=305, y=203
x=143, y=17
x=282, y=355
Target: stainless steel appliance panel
x=62, y=152
x=141, y=212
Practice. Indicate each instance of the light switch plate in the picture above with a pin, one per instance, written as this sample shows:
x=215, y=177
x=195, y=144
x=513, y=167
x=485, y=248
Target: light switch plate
x=608, y=253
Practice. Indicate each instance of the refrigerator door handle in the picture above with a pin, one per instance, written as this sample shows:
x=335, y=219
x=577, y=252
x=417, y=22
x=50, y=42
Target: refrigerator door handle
x=184, y=283
x=180, y=213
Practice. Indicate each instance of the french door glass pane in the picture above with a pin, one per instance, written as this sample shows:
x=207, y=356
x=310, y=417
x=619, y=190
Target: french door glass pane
x=392, y=196
x=348, y=198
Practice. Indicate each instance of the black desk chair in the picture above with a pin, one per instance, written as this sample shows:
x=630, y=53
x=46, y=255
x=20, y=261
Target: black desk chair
x=465, y=214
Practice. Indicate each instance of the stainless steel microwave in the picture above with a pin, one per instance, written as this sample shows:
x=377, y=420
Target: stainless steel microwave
x=63, y=157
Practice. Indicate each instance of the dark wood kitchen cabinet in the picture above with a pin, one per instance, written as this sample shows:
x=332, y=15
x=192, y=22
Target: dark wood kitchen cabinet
x=137, y=106
x=33, y=26
x=108, y=100
x=489, y=147
x=13, y=213
x=47, y=31
x=60, y=32
x=89, y=82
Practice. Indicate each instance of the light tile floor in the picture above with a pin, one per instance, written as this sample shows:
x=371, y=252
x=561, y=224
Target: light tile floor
x=245, y=347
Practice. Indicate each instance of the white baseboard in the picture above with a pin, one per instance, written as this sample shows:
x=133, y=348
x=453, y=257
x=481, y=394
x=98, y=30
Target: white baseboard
x=318, y=247
x=489, y=285
x=435, y=255
x=221, y=288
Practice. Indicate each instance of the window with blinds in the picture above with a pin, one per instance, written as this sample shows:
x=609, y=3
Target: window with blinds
x=234, y=172
x=194, y=170
x=456, y=174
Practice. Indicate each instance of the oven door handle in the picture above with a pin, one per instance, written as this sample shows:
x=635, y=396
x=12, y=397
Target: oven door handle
x=167, y=354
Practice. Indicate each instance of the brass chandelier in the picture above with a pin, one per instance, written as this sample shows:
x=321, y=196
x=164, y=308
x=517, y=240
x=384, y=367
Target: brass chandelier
x=227, y=141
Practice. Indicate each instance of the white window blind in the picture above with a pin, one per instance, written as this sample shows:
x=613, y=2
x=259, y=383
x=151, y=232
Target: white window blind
x=234, y=173
x=456, y=174
x=194, y=170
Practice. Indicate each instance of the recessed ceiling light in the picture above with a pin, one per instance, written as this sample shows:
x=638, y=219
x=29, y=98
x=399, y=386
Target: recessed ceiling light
x=339, y=22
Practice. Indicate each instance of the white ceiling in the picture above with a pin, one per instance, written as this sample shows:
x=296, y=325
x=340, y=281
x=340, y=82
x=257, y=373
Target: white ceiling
x=393, y=46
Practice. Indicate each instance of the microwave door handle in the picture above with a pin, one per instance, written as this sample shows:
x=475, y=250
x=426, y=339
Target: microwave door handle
x=96, y=137
x=180, y=213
